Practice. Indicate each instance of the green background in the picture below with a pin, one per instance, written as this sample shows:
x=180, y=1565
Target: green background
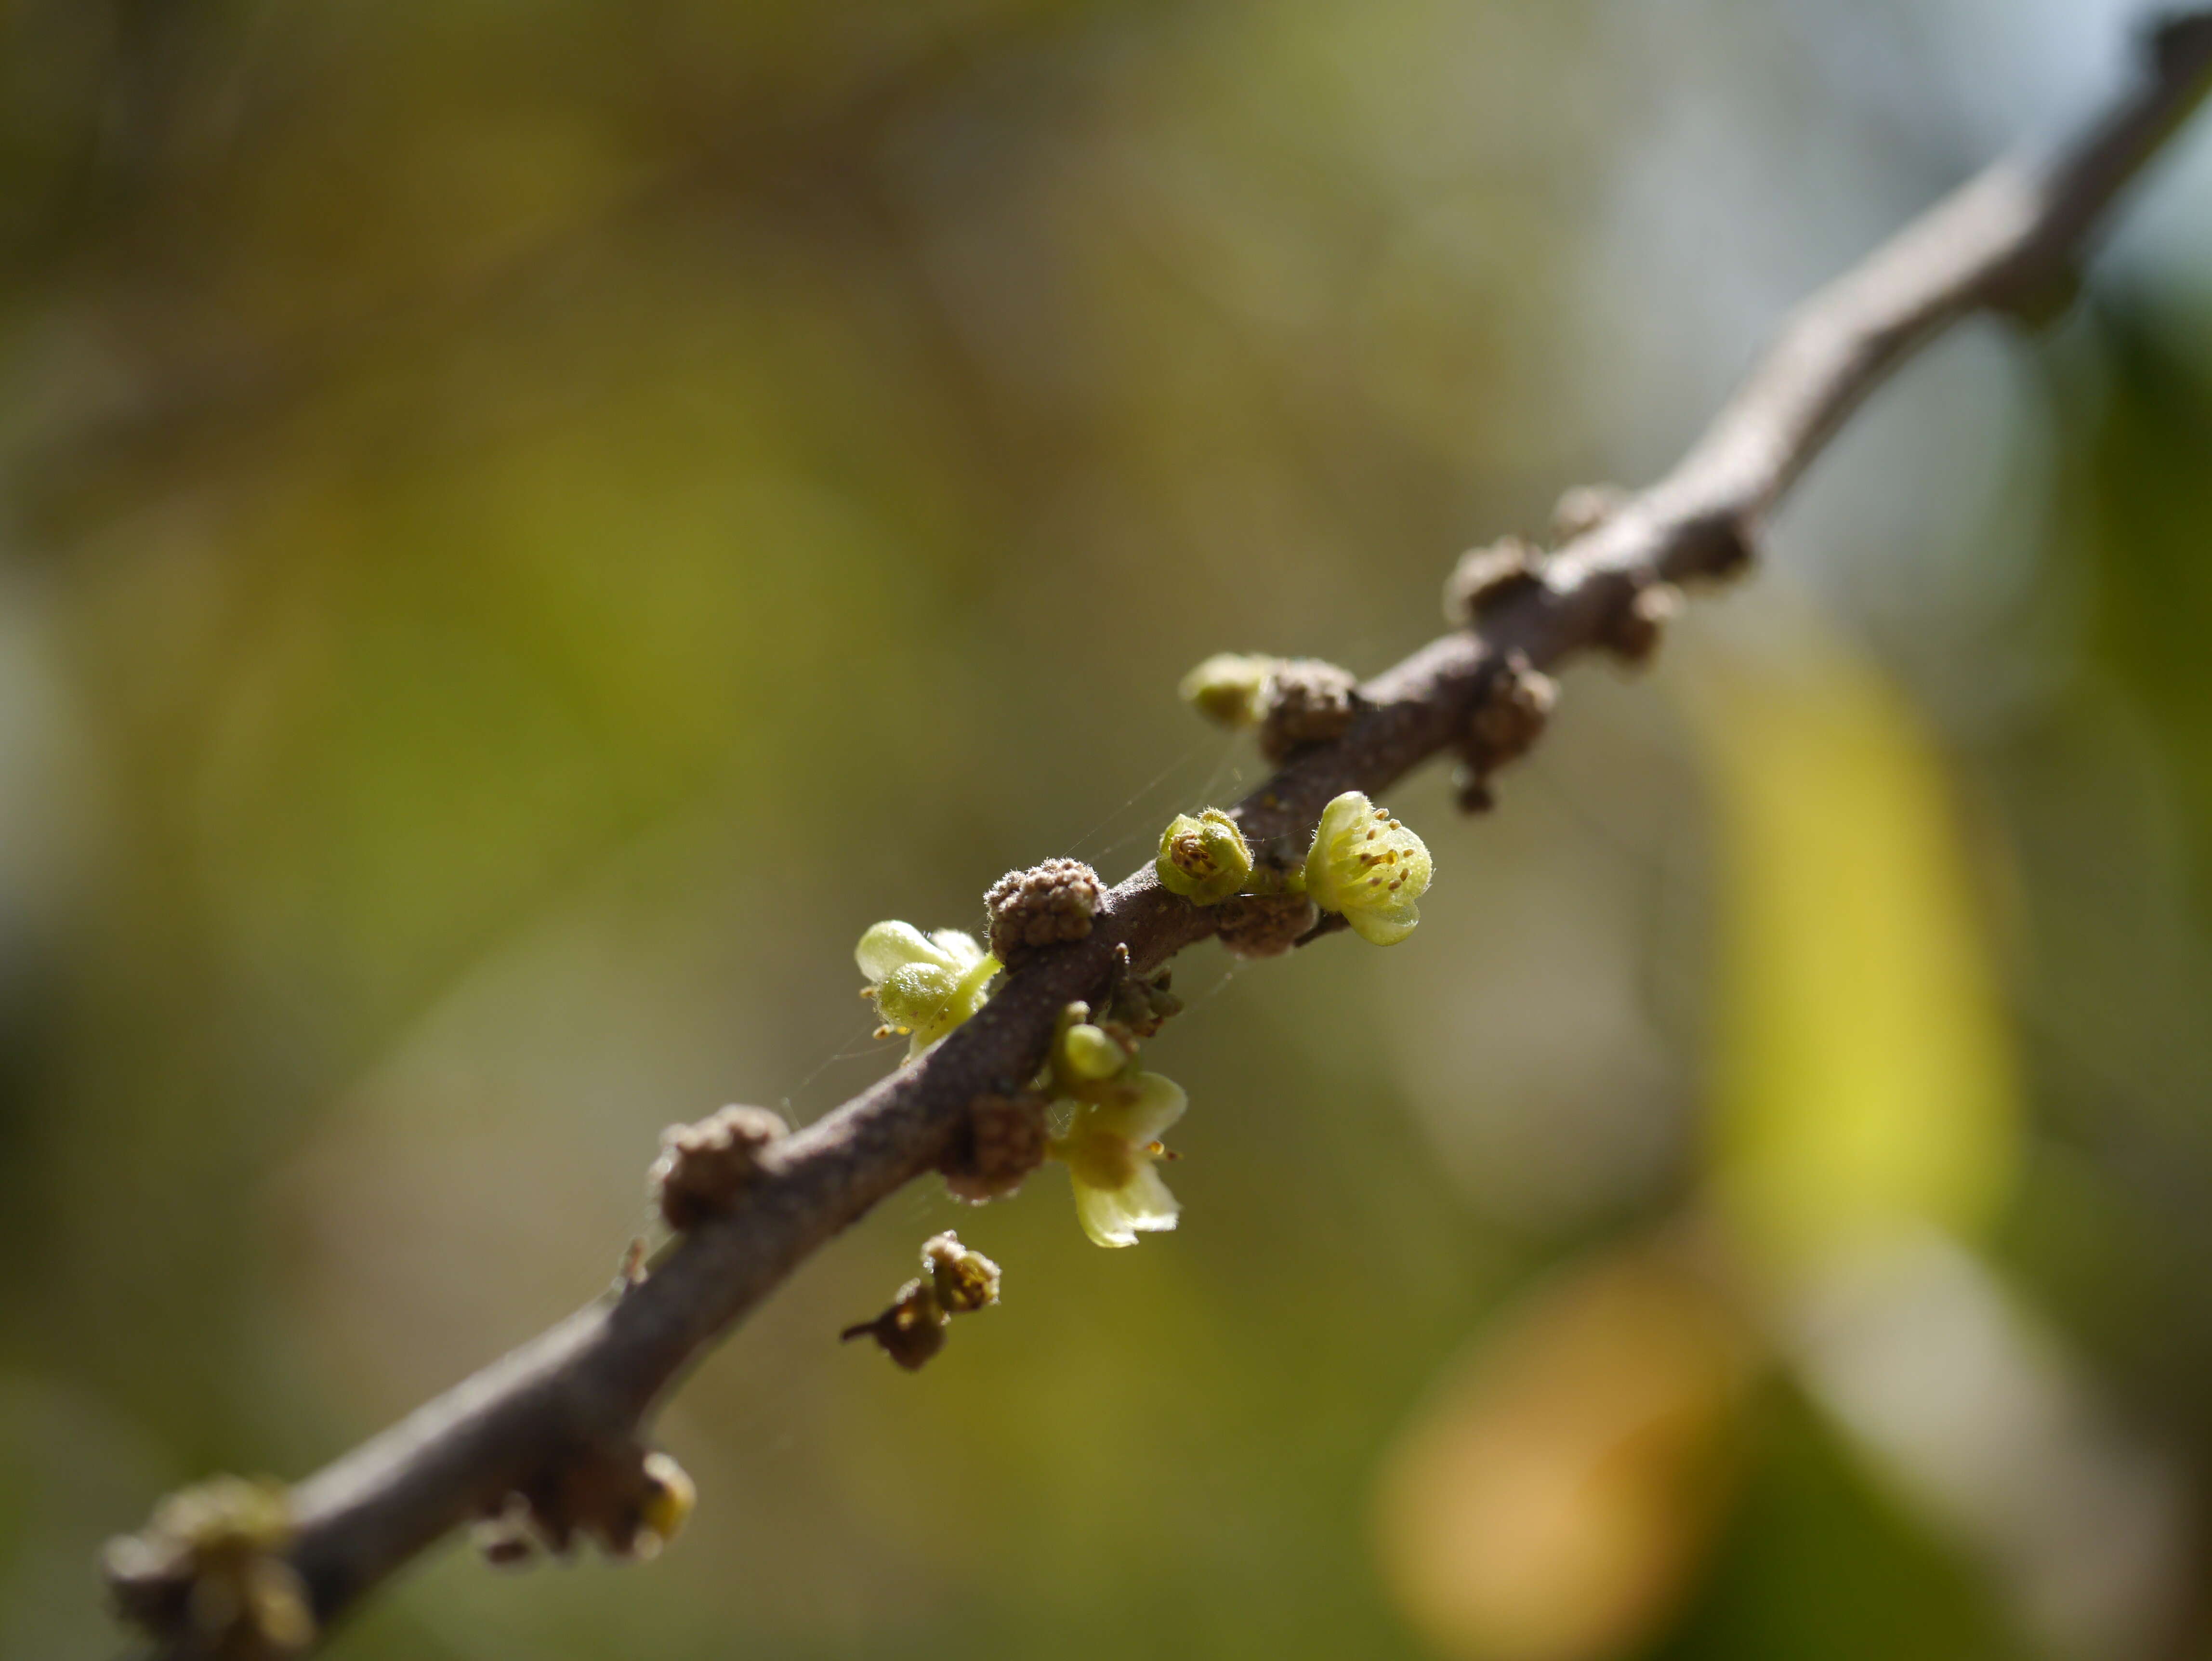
x=525, y=529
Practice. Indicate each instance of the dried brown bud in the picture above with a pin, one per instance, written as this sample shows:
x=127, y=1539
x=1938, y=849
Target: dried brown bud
x=1040, y=906
x=1516, y=702
x=911, y=1330
x=1633, y=633
x=964, y=1279
x=1718, y=546
x=704, y=1167
x=1512, y=717
x=1266, y=925
x=1485, y=578
x=1306, y=702
x=1142, y=1003
x=1002, y=1141
x=956, y=1280
x=630, y=1499
x=1473, y=791
x=506, y=1540
x=1582, y=508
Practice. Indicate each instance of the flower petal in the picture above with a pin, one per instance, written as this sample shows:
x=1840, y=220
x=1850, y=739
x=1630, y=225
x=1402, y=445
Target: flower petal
x=1347, y=813
x=1148, y=1203
x=1383, y=924
x=1100, y=1212
x=1153, y=1105
x=915, y=994
x=1116, y=1216
x=960, y=948
x=1342, y=820
x=889, y=945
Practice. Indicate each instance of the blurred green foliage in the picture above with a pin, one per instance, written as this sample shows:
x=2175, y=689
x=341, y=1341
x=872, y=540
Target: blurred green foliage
x=523, y=529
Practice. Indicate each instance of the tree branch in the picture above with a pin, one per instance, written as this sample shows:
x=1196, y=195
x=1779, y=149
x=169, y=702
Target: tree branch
x=2007, y=241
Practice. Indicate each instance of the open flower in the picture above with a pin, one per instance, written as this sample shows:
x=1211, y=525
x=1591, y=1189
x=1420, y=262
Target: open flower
x=1110, y=1149
x=924, y=985
x=1369, y=867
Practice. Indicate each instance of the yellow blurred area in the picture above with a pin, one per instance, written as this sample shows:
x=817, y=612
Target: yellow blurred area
x=1863, y=1081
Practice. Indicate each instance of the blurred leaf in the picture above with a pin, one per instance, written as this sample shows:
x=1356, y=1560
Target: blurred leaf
x=1862, y=1075
x=1554, y=1499
x=1970, y=1410
x=1818, y=1564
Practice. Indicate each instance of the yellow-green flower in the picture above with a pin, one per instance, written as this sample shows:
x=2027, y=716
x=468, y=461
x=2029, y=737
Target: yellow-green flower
x=924, y=985
x=1366, y=865
x=1110, y=1150
x=1206, y=860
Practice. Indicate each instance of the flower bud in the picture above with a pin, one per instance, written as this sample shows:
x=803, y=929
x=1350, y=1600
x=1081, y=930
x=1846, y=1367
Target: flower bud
x=910, y=1331
x=1227, y=688
x=1305, y=702
x=1485, y=578
x=669, y=1497
x=1206, y=860
x=1088, y=1053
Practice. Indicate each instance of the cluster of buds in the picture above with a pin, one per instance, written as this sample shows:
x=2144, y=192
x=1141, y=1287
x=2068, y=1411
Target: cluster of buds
x=1042, y=906
x=1141, y=1004
x=955, y=1279
x=1362, y=865
x=1364, y=870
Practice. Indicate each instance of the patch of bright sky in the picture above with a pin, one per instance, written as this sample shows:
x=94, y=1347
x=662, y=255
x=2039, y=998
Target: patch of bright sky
x=1764, y=150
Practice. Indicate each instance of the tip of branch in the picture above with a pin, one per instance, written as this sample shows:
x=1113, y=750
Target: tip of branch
x=2181, y=41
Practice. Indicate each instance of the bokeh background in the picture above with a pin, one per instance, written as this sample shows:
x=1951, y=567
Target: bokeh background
x=524, y=528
